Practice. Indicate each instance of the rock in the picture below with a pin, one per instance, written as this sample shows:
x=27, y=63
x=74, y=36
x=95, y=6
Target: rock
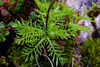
x=97, y=20
x=99, y=4
x=84, y=35
x=78, y=5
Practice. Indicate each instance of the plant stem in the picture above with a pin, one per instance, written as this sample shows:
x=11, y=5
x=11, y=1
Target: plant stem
x=48, y=59
x=47, y=16
x=36, y=59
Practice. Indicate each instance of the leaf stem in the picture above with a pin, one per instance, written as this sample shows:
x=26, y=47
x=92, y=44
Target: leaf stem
x=47, y=16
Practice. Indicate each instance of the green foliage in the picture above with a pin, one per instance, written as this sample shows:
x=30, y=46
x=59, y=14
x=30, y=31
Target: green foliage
x=69, y=52
x=44, y=33
x=16, y=56
x=32, y=15
x=3, y=32
x=17, y=7
x=1, y=2
x=3, y=61
x=93, y=5
x=90, y=51
x=19, y=4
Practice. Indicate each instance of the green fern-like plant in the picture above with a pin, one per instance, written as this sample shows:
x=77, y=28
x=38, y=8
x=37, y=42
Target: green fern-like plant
x=48, y=28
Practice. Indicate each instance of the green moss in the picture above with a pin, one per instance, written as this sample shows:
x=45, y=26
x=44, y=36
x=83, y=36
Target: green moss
x=90, y=51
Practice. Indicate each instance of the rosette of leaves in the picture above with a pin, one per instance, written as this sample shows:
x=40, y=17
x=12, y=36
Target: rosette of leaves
x=48, y=28
x=90, y=51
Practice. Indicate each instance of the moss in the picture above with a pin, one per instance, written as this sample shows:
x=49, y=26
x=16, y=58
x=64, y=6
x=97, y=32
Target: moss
x=90, y=51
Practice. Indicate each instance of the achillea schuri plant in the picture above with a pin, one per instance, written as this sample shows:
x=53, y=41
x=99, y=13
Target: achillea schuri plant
x=54, y=22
